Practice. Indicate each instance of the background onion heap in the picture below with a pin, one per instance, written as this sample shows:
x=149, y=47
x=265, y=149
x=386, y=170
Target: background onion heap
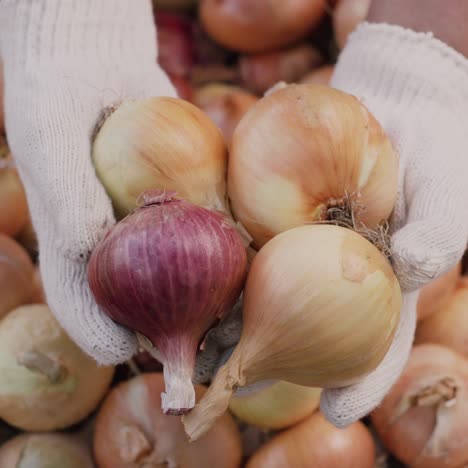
x=261, y=190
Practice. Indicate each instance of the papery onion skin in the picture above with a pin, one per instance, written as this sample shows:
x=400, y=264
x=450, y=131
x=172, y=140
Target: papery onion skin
x=435, y=295
x=431, y=435
x=131, y=429
x=16, y=275
x=319, y=76
x=278, y=406
x=169, y=271
x=346, y=17
x=297, y=328
x=225, y=105
x=303, y=150
x=69, y=388
x=449, y=325
x=317, y=443
x=45, y=450
x=260, y=25
x=260, y=72
x=161, y=143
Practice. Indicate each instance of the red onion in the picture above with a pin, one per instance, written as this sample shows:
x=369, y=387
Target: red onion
x=169, y=271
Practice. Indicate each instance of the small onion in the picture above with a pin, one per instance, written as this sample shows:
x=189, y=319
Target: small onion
x=320, y=76
x=16, y=275
x=131, y=431
x=260, y=72
x=169, y=271
x=346, y=17
x=449, y=325
x=276, y=406
x=45, y=451
x=317, y=443
x=436, y=294
x=304, y=152
x=260, y=25
x=297, y=328
x=47, y=382
x=225, y=105
x=13, y=204
x=422, y=421
x=164, y=143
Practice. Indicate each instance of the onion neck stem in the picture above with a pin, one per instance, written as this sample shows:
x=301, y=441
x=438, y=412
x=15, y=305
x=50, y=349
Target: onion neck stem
x=37, y=361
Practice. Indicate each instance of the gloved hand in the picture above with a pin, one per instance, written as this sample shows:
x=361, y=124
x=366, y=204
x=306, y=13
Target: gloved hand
x=417, y=88
x=65, y=61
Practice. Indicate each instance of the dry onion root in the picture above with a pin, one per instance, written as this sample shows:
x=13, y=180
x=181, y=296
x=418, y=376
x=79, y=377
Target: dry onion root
x=422, y=421
x=45, y=450
x=309, y=153
x=317, y=443
x=297, y=328
x=132, y=431
x=47, y=382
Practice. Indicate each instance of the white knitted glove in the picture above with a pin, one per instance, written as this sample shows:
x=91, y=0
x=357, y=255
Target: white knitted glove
x=417, y=88
x=64, y=62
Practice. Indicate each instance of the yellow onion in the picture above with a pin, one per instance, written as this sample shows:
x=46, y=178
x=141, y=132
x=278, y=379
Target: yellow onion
x=131, y=431
x=436, y=294
x=276, y=405
x=47, y=382
x=319, y=76
x=309, y=153
x=225, y=105
x=315, y=443
x=346, y=17
x=321, y=306
x=50, y=450
x=161, y=143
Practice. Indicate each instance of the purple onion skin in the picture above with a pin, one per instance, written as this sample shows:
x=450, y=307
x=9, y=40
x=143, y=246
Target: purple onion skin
x=169, y=271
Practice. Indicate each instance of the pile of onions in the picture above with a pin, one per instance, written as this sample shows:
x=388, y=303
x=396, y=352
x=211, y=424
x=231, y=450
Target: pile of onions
x=304, y=153
x=275, y=405
x=297, y=328
x=225, y=105
x=47, y=382
x=45, y=450
x=169, y=271
x=132, y=431
x=346, y=16
x=260, y=72
x=260, y=25
x=16, y=275
x=422, y=421
x=317, y=443
x=448, y=326
x=13, y=204
x=436, y=294
x=164, y=143
x=320, y=76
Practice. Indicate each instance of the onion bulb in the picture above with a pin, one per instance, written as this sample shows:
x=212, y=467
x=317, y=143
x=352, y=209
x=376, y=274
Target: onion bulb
x=448, y=326
x=13, y=204
x=317, y=443
x=260, y=25
x=47, y=382
x=422, y=420
x=435, y=294
x=260, y=72
x=169, y=271
x=319, y=76
x=132, y=431
x=45, y=451
x=309, y=153
x=276, y=406
x=297, y=328
x=225, y=105
x=346, y=17
x=161, y=143
x=16, y=275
